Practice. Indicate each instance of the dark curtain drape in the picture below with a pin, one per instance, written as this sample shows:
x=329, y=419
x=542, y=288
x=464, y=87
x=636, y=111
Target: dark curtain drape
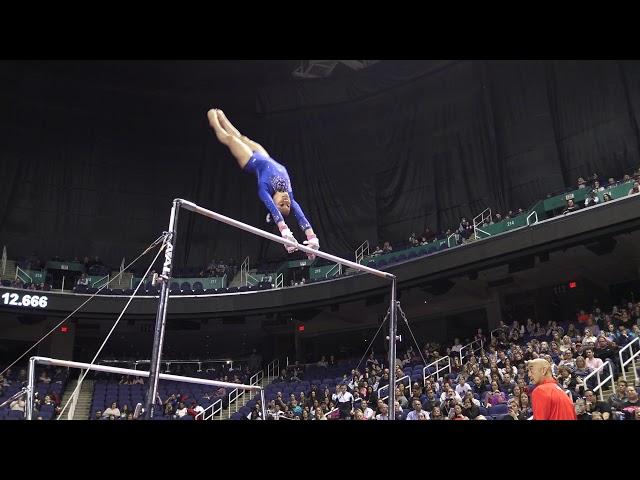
x=373, y=154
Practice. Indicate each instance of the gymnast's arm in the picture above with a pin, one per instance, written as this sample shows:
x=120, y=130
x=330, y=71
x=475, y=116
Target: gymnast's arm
x=302, y=220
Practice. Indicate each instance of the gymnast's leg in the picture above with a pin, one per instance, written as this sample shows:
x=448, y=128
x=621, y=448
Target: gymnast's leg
x=228, y=126
x=240, y=150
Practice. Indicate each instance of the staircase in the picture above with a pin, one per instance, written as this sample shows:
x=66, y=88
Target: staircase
x=238, y=282
x=242, y=400
x=10, y=271
x=607, y=392
x=83, y=406
x=123, y=282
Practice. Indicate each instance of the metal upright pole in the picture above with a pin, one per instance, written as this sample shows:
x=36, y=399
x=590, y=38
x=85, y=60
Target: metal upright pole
x=392, y=351
x=161, y=316
x=264, y=405
x=31, y=388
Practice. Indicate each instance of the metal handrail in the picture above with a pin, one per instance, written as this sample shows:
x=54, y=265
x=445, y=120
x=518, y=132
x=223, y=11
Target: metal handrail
x=360, y=251
x=446, y=359
x=248, y=276
x=20, y=270
x=255, y=379
x=273, y=369
x=229, y=396
x=279, y=280
x=244, y=268
x=4, y=259
x=74, y=402
x=449, y=239
x=328, y=413
x=479, y=220
x=332, y=269
x=534, y=213
x=203, y=415
x=631, y=359
x=473, y=350
x=601, y=383
x=95, y=284
x=387, y=387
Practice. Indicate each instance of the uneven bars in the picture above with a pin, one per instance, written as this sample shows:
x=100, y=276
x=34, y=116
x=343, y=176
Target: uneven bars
x=270, y=236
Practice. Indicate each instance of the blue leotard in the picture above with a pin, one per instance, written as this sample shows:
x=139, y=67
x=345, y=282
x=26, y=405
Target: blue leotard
x=273, y=177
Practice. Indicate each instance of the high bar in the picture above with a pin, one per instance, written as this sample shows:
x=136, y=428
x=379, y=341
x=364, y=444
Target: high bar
x=270, y=236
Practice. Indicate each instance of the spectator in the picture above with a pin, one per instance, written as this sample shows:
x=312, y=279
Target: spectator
x=377, y=251
x=592, y=198
x=496, y=396
x=624, y=337
x=320, y=415
x=413, y=240
x=581, y=183
x=632, y=405
x=428, y=236
x=592, y=404
x=436, y=414
x=469, y=409
x=457, y=413
x=463, y=387
x=571, y=207
x=567, y=361
x=255, y=361
x=581, y=411
x=606, y=197
x=18, y=404
x=619, y=398
x=526, y=411
x=635, y=189
x=387, y=248
x=513, y=412
x=415, y=413
x=384, y=412
x=113, y=410
x=366, y=410
x=592, y=362
x=345, y=402
x=44, y=377
x=589, y=340
x=124, y=411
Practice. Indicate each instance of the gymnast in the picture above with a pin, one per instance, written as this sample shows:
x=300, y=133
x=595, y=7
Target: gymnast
x=274, y=185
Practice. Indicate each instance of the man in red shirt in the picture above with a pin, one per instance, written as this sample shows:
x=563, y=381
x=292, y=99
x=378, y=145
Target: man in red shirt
x=548, y=400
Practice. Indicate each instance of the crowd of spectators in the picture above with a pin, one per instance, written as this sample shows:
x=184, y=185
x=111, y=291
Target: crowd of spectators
x=491, y=383
x=464, y=233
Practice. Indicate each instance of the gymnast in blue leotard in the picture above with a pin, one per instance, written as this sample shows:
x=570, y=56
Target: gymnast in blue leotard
x=274, y=185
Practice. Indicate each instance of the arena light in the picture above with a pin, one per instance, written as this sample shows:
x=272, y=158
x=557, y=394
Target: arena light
x=573, y=284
